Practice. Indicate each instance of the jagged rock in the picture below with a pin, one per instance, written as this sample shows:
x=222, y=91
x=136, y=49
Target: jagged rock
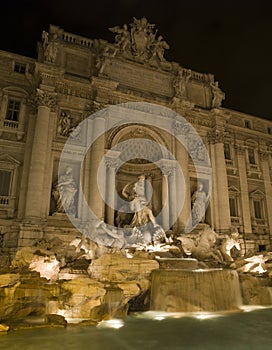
x=55, y=320
x=256, y=290
x=4, y=328
x=118, y=268
x=79, y=296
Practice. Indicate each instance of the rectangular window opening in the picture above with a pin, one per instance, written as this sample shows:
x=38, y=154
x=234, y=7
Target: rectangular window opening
x=20, y=68
x=13, y=110
x=5, y=180
x=233, y=207
x=258, y=209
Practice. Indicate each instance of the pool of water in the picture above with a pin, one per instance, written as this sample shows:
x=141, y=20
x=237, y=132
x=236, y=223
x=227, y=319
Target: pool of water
x=155, y=330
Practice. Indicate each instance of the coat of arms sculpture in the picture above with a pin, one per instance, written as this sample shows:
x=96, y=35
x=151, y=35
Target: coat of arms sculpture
x=140, y=41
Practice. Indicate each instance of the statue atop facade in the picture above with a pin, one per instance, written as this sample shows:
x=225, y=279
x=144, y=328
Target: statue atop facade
x=50, y=47
x=122, y=38
x=140, y=41
x=217, y=94
x=180, y=83
x=64, y=191
x=199, y=199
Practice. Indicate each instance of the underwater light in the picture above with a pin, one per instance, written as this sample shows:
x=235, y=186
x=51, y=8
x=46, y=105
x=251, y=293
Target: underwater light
x=114, y=323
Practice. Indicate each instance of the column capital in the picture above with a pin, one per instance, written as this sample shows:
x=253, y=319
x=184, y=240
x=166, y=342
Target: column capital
x=216, y=136
x=45, y=98
x=112, y=163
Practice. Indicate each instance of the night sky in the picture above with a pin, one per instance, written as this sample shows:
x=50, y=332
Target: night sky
x=231, y=39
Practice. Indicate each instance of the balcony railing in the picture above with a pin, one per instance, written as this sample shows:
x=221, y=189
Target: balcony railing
x=4, y=201
x=11, y=124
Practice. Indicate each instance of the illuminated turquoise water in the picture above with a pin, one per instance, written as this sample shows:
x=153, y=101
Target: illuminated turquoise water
x=239, y=331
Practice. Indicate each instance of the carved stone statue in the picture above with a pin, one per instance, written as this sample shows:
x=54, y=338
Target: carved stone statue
x=217, y=95
x=203, y=248
x=140, y=41
x=180, y=83
x=199, y=199
x=122, y=39
x=141, y=213
x=50, y=47
x=64, y=191
x=158, y=48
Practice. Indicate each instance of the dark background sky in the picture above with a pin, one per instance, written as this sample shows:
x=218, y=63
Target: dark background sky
x=231, y=39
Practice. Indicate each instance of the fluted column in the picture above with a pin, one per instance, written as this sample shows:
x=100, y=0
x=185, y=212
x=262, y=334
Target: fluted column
x=181, y=130
x=267, y=185
x=46, y=101
x=221, y=199
x=96, y=201
x=241, y=162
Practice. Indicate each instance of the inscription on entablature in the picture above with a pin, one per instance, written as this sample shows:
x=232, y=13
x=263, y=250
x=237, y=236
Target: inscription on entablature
x=77, y=64
x=133, y=75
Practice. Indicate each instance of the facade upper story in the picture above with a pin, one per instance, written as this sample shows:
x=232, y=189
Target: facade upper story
x=84, y=75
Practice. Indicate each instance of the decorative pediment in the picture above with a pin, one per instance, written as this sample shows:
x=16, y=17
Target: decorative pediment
x=233, y=189
x=251, y=143
x=7, y=159
x=14, y=90
x=257, y=193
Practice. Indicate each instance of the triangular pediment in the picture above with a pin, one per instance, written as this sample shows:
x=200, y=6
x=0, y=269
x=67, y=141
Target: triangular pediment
x=6, y=158
x=233, y=189
x=257, y=193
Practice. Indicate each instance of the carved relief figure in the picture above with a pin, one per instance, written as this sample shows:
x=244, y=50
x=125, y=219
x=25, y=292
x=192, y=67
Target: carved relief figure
x=66, y=128
x=199, y=199
x=64, y=191
x=217, y=95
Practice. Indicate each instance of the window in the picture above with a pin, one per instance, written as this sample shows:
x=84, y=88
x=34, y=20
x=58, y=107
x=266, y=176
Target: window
x=20, y=68
x=227, y=151
x=257, y=209
x=251, y=156
x=247, y=124
x=233, y=207
x=5, y=180
x=13, y=110
x=269, y=130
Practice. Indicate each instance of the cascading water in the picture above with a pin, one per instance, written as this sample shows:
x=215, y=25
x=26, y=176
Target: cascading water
x=177, y=290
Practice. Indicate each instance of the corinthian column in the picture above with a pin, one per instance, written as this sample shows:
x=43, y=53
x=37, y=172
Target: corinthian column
x=181, y=130
x=267, y=185
x=220, y=180
x=46, y=102
x=96, y=201
x=241, y=162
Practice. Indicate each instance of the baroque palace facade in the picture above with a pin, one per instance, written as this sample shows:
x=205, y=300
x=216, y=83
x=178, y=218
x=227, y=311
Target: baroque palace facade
x=43, y=100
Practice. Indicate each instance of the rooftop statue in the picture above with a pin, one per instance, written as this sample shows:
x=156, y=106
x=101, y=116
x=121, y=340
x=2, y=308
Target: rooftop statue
x=140, y=41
